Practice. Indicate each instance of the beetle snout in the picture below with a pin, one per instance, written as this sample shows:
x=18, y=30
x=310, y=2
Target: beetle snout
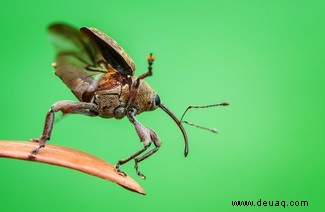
x=179, y=124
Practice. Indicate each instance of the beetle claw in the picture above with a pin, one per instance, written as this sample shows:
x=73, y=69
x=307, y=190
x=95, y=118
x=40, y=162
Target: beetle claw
x=141, y=175
x=36, y=140
x=34, y=152
x=37, y=150
x=31, y=155
x=121, y=173
x=118, y=170
x=138, y=172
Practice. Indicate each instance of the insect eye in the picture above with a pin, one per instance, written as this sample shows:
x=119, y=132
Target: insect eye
x=157, y=100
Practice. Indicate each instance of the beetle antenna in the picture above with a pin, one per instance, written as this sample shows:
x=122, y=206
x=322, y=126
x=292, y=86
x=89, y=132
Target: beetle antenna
x=179, y=124
x=204, y=106
x=201, y=127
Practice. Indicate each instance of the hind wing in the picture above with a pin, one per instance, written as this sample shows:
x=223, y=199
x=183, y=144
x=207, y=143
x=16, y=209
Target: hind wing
x=79, y=62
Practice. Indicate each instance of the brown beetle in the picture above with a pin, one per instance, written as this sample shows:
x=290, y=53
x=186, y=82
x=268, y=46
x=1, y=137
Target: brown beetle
x=101, y=75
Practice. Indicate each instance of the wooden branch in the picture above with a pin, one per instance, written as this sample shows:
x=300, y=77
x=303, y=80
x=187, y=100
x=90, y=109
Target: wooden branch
x=70, y=158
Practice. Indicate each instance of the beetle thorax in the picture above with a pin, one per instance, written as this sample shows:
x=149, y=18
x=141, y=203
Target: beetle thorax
x=145, y=98
x=115, y=101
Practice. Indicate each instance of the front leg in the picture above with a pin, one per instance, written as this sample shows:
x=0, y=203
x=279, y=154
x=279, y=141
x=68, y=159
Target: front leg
x=146, y=136
x=65, y=107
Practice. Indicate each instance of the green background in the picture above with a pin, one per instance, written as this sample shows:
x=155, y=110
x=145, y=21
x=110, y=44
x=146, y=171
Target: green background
x=266, y=58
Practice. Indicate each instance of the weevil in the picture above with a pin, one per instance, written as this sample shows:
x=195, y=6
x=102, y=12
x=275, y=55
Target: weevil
x=101, y=75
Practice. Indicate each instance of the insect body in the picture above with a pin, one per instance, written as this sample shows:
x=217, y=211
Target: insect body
x=101, y=75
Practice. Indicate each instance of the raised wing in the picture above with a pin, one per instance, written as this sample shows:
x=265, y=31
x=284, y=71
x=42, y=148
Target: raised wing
x=79, y=62
x=111, y=51
x=84, y=56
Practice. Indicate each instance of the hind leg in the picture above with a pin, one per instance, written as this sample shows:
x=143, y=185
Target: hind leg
x=65, y=107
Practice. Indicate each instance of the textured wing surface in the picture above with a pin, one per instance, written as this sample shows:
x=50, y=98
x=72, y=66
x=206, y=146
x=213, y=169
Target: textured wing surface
x=111, y=51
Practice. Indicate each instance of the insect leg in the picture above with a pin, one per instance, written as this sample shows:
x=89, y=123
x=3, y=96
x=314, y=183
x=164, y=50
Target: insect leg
x=136, y=83
x=65, y=107
x=148, y=154
x=150, y=60
x=125, y=160
x=204, y=106
x=146, y=136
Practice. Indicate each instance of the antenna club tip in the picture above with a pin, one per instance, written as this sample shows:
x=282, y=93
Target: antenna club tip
x=214, y=130
x=225, y=104
x=151, y=58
